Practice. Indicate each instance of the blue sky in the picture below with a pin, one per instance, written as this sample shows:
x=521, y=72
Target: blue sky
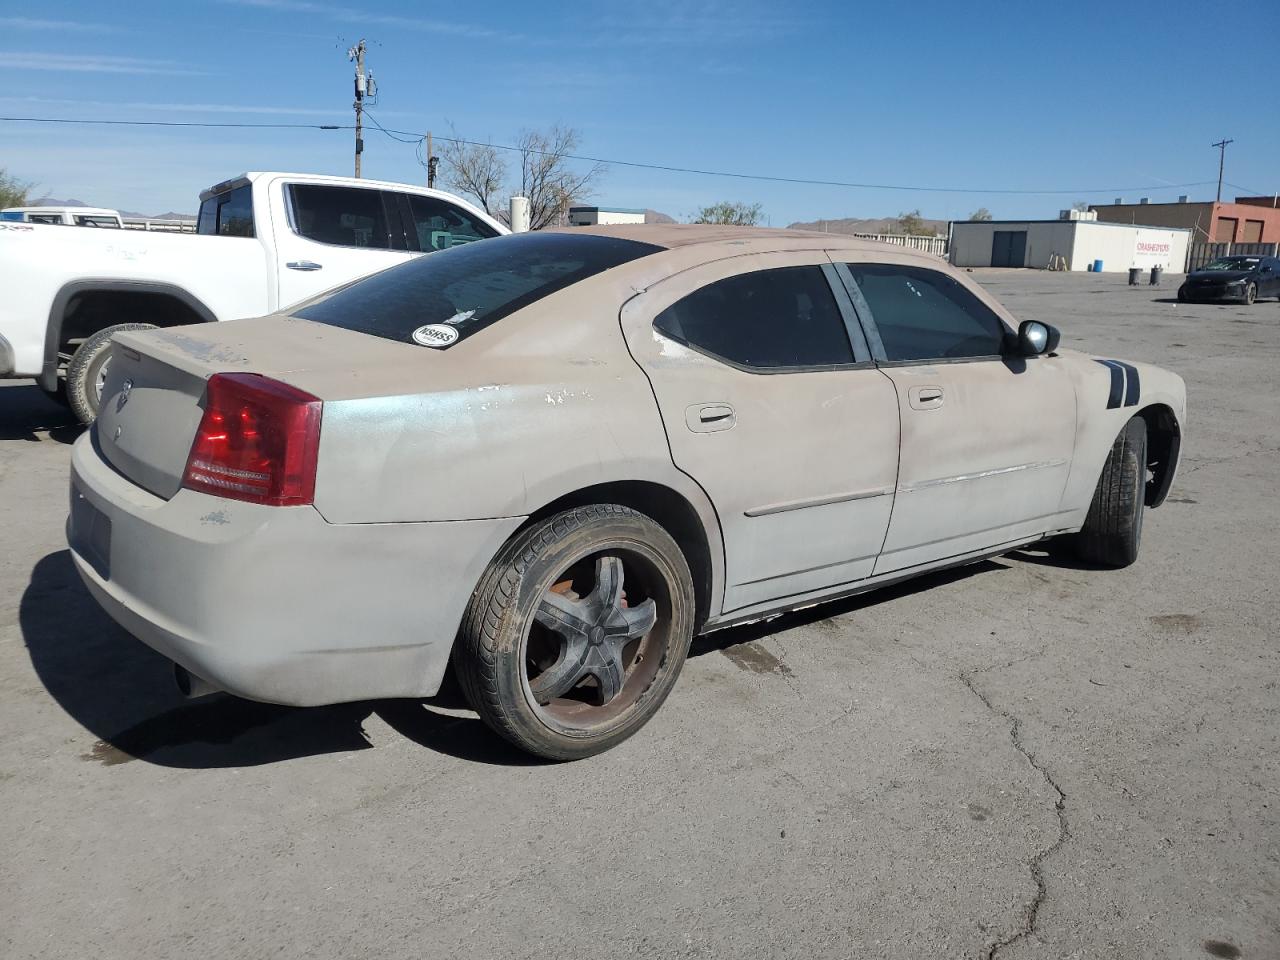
x=1094, y=99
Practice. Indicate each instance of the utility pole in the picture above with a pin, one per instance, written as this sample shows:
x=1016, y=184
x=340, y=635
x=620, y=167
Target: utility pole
x=365, y=88
x=1222, y=159
x=432, y=160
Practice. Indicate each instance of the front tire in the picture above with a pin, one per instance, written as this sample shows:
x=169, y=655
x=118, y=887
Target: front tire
x=87, y=370
x=1112, y=532
x=1250, y=294
x=577, y=631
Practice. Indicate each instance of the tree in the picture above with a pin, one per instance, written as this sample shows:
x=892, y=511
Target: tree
x=913, y=225
x=979, y=215
x=13, y=192
x=474, y=169
x=731, y=213
x=1082, y=206
x=547, y=174
x=547, y=178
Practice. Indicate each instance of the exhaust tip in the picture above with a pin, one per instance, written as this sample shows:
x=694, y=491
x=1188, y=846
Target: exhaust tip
x=191, y=686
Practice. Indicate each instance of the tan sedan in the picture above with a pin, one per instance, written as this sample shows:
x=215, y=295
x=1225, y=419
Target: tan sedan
x=551, y=459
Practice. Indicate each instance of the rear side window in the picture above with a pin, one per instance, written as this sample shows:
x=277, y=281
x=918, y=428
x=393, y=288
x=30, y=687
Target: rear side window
x=786, y=317
x=441, y=225
x=341, y=216
x=91, y=221
x=923, y=314
x=470, y=286
x=227, y=214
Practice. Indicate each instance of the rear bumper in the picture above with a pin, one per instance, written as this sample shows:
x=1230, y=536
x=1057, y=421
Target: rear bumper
x=274, y=603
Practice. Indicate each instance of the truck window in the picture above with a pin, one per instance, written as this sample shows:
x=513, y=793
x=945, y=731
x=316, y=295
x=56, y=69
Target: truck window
x=228, y=214
x=441, y=225
x=341, y=216
x=91, y=221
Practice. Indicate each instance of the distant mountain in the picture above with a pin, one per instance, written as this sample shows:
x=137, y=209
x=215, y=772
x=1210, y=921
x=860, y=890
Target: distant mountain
x=51, y=202
x=854, y=225
x=653, y=216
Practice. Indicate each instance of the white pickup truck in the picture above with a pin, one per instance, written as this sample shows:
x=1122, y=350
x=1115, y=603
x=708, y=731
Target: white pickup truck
x=264, y=241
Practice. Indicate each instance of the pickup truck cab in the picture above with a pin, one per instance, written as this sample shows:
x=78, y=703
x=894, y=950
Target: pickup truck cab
x=66, y=216
x=264, y=241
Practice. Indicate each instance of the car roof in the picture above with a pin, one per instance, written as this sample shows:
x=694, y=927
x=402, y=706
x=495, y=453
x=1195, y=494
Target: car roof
x=706, y=242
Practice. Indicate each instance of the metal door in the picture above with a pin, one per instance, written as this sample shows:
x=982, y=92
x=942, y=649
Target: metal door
x=1009, y=248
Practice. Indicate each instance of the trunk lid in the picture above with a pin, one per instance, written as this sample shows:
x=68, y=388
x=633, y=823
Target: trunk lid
x=155, y=383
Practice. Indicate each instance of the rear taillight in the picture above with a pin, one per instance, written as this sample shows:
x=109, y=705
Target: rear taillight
x=258, y=441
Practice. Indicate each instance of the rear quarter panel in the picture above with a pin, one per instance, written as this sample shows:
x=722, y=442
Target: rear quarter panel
x=228, y=275
x=543, y=403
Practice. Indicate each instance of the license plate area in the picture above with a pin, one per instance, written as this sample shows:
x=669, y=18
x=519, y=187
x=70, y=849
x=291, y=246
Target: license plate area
x=90, y=534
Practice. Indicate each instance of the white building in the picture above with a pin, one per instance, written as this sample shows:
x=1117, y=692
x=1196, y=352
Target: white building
x=590, y=216
x=1079, y=242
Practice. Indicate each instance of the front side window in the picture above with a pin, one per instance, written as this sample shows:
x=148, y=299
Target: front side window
x=769, y=319
x=441, y=225
x=923, y=314
x=45, y=218
x=228, y=214
x=470, y=286
x=341, y=216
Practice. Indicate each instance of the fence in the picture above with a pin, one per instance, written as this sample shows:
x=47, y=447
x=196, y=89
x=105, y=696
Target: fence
x=935, y=245
x=161, y=226
x=1198, y=254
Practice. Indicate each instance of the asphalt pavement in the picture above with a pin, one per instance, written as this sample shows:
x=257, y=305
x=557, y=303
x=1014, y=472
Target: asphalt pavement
x=1023, y=757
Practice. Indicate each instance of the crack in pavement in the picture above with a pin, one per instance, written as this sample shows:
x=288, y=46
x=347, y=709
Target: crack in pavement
x=1031, y=913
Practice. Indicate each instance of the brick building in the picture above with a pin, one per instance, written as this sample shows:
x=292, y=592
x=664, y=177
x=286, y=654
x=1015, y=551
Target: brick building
x=1247, y=220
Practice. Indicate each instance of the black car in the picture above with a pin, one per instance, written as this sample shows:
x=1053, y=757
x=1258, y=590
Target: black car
x=1241, y=278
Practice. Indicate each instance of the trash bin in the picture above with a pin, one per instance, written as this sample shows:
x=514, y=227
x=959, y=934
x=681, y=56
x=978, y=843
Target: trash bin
x=1089, y=267
x=1135, y=275
x=1155, y=275
x=1097, y=266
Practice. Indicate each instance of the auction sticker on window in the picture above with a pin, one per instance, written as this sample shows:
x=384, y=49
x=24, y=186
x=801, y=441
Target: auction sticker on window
x=435, y=335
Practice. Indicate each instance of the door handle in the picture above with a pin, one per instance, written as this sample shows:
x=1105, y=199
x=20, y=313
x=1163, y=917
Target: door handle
x=709, y=417
x=305, y=265
x=925, y=398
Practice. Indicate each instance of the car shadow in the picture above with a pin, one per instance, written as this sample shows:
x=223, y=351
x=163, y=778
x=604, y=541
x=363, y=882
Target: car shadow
x=26, y=412
x=123, y=693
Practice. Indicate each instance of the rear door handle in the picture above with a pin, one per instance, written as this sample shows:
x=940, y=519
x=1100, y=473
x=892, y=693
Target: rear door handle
x=709, y=417
x=925, y=398
x=305, y=265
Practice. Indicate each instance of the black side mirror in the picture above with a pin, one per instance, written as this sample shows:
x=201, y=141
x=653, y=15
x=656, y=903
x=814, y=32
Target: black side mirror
x=1036, y=338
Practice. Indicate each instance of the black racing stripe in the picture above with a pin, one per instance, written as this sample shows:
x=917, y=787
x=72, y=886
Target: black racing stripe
x=1132, y=388
x=1117, y=383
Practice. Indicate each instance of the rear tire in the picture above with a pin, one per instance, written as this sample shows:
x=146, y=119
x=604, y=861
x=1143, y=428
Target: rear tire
x=506, y=649
x=88, y=368
x=1112, y=531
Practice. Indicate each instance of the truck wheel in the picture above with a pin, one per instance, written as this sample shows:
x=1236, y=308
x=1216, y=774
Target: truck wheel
x=577, y=631
x=1112, y=531
x=88, y=370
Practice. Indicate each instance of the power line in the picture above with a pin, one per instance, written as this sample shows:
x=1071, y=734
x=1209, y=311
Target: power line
x=664, y=168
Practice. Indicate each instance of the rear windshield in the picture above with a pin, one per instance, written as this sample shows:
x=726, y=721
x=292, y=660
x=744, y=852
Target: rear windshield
x=468, y=287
